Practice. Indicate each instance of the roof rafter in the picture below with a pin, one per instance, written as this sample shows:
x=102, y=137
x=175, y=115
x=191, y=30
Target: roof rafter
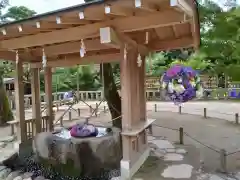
x=127, y=24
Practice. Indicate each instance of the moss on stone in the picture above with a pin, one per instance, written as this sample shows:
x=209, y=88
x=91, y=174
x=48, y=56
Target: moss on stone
x=67, y=169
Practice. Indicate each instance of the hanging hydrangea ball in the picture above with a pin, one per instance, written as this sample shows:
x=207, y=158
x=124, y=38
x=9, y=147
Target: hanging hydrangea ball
x=181, y=84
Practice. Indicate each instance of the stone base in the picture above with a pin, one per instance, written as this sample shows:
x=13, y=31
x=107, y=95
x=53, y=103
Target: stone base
x=25, y=149
x=128, y=171
x=87, y=157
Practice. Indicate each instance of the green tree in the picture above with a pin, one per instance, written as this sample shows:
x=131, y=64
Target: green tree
x=66, y=78
x=220, y=33
x=13, y=13
x=17, y=13
x=5, y=111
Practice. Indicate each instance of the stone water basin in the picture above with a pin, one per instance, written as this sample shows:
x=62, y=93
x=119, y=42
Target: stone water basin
x=88, y=156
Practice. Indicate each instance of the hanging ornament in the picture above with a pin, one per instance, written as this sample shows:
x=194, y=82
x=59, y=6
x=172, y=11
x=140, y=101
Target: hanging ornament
x=17, y=57
x=44, y=58
x=82, y=49
x=181, y=84
x=147, y=38
x=139, y=60
x=125, y=52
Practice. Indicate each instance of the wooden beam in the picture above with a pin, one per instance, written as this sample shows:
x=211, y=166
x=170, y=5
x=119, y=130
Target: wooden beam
x=72, y=60
x=69, y=47
x=179, y=43
x=93, y=14
x=50, y=25
x=175, y=32
x=143, y=5
x=127, y=24
x=8, y=55
x=109, y=37
x=70, y=21
x=77, y=60
x=183, y=6
x=11, y=56
x=116, y=11
x=116, y=39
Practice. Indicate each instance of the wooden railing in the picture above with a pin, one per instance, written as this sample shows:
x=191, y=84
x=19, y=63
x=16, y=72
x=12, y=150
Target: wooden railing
x=31, y=126
x=83, y=95
x=151, y=94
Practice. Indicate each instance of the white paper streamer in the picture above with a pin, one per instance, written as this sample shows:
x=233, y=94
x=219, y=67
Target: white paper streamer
x=44, y=58
x=82, y=49
x=17, y=57
x=125, y=52
x=139, y=60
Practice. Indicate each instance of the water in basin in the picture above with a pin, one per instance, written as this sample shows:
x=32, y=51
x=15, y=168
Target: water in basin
x=65, y=133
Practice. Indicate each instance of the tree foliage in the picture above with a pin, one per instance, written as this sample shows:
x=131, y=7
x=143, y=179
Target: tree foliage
x=17, y=13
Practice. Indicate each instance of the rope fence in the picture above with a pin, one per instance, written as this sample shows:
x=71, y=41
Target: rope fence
x=205, y=112
x=223, y=154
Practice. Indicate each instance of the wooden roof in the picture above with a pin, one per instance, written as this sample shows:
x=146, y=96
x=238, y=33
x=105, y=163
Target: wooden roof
x=152, y=25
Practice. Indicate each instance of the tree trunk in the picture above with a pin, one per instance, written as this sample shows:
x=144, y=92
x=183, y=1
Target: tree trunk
x=111, y=95
x=5, y=111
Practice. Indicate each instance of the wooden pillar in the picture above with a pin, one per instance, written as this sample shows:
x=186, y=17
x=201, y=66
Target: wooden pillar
x=48, y=96
x=19, y=95
x=128, y=85
x=135, y=149
x=36, y=102
x=142, y=89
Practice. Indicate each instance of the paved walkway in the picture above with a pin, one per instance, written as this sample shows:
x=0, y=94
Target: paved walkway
x=214, y=134
x=215, y=109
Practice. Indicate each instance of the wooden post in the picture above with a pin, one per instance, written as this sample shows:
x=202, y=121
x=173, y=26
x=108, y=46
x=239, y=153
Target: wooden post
x=87, y=120
x=236, y=118
x=48, y=96
x=96, y=110
x=180, y=109
x=104, y=109
x=142, y=89
x=36, y=102
x=134, y=122
x=223, y=160
x=70, y=115
x=78, y=97
x=61, y=121
x=205, y=112
x=79, y=112
x=181, y=136
x=12, y=129
x=19, y=95
x=155, y=107
x=150, y=129
x=132, y=116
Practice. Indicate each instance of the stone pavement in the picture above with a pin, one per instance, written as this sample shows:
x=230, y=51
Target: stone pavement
x=168, y=158
x=169, y=161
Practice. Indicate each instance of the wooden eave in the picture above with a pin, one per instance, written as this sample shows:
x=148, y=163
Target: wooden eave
x=153, y=25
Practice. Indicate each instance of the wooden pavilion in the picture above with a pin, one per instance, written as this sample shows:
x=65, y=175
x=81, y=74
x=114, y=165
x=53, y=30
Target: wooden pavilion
x=99, y=32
